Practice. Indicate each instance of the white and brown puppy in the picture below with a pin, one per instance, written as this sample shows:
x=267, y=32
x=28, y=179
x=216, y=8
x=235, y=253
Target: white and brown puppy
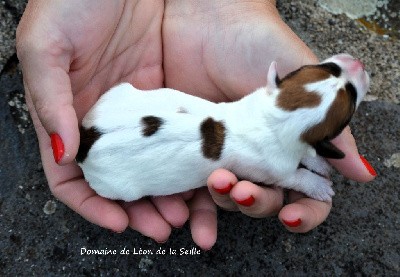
x=138, y=143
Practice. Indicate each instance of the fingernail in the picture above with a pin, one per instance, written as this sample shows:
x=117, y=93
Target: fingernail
x=224, y=190
x=58, y=147
x=246, y=202
x=369, y=167
x=295, y=223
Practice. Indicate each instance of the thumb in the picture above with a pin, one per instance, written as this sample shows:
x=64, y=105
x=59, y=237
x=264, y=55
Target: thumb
x=353, y=165
x=51, y=99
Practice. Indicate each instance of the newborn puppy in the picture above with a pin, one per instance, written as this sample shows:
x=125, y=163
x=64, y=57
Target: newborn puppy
x=138, y=143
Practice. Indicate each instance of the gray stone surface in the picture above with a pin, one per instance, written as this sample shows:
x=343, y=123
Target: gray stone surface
x=7, y=37
x=41, y=236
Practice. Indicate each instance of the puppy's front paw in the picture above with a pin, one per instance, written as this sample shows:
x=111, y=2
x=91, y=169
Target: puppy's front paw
x=309, y=183
x=318, y=165
x=323, y=191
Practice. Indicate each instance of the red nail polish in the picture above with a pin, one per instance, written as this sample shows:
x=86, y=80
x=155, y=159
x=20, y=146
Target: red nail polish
x=246, y=202
x=58, y=147
x=371, y=170
x=224, y=190
x=295, y=223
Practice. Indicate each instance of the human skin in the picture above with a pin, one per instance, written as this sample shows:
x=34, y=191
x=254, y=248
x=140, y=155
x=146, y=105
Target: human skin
x=73, y=51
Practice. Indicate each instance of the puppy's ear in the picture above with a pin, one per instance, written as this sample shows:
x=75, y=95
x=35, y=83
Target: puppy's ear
x=326, y=149
x=272, y=79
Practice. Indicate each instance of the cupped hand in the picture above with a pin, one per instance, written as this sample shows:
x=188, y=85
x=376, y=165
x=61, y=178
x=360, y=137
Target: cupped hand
x=221, y=51
x=71, y=52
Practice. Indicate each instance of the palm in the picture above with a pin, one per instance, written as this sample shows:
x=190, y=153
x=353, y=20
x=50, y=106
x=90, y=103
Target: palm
x=215, y=54
x=114, y=48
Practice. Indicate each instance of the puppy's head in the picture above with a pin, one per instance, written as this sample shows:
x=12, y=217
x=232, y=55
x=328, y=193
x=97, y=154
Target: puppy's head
x=324, y=97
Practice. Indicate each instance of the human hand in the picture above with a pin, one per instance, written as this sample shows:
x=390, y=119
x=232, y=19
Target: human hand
x=221, y=51
x=71, y=52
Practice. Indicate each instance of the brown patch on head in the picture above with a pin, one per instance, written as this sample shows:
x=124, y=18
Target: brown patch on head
x=213, y=135
x=87, y=138
x=151, y=124
x=293, y=94
x=337, y=118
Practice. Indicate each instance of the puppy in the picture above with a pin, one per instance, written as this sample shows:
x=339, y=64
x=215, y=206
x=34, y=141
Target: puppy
x=139, y=143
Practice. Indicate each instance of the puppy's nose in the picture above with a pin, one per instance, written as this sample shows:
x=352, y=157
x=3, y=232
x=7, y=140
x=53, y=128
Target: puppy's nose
x=353, y=65
x=357, y=65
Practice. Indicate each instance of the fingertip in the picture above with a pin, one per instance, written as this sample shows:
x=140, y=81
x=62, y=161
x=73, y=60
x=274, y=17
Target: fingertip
x=69, y=131
x=220, y=184
x=291, y=217
x=220, y=179
x=304, y=215
x=203, y=220
x=117, y=219
x=111, y=216
x=203, y=225
x=173, y=209
x=144, y=218
x=353, y=166
x=257, y=201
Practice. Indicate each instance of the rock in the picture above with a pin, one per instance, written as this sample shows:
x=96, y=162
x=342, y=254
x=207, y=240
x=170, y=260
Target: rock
x=50, y=207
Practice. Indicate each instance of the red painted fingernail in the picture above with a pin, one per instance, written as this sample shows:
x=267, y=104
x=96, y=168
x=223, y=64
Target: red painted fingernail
x=246, y=202
x=295, y=223
x=58, y=147
x=224, y=190
x=369, y=167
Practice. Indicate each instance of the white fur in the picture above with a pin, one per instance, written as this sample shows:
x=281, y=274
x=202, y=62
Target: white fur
x=262, y=141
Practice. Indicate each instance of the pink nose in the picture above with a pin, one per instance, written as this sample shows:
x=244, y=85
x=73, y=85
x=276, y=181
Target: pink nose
x=358, y=63
x=351, y=63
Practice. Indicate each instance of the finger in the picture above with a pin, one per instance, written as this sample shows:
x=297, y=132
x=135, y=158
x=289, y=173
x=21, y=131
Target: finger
x=144, y=218
x=304, y=214
x=187, y=195
x=48, y=88
x=172, y=208
x=220, y=183
x=257, y=201
x=77, y=195
x=352, y=166
x=203, y=219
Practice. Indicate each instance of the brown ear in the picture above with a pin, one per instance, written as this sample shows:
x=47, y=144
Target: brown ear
x=326, y=149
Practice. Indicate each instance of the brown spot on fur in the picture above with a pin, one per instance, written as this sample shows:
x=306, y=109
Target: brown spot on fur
x=337, y=118
x=213, y=135
x=293, y=94
x=151, y=124
x=87, y=138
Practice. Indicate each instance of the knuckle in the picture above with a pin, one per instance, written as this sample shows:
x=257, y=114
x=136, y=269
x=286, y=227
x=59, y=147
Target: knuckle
x=44, y=111
x=53, y=189
x=42, y=107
